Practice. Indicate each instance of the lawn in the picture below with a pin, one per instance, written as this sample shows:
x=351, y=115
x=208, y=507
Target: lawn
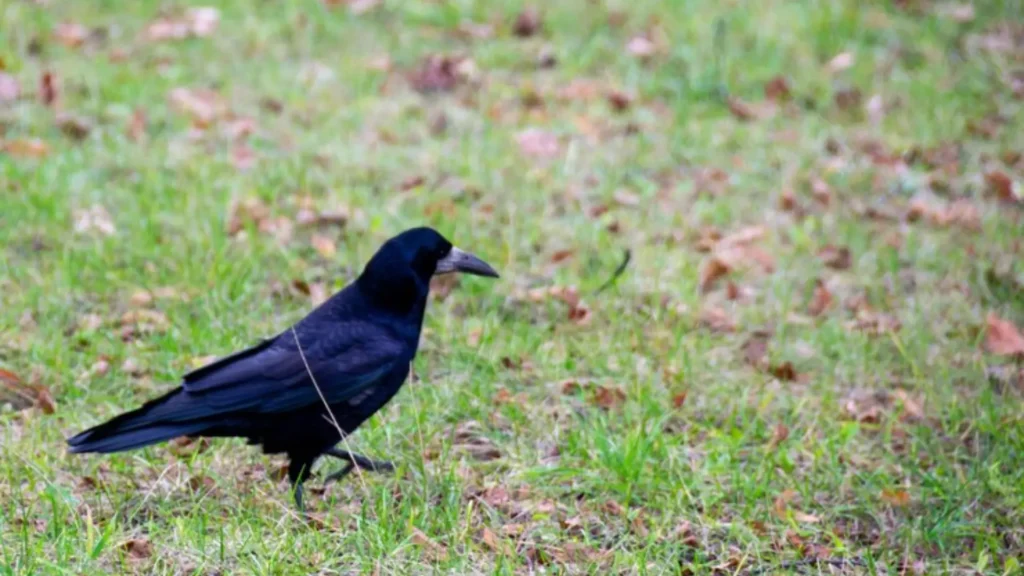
x=810, y=364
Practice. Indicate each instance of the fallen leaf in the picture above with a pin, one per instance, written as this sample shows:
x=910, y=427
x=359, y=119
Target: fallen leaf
x=197, y=22
x=836, y=257
x=898, y=498
x=784, y=371
x=740, y=109
x=678, y=400
x=805, y=518
x=779, y=435
x=10, y=90
x=711, y=271
x=538, y=143
x=755, y=350
x=94, y=219
x=48, y=89
x=777, y=89
x=74, y=127
x=138, y=548
x=821, y=299
x=717, y=320
x=71, y=34
x=436, y=74
x=137, y=125
x=1002, y=186
x=608, y=398
x=1002, y=337
x=619, y=101
x=324, y=246
x=31, y=148
x=201, y=105
x=469, y=438
x=489, y=539
x=641, y=47
x=527, y=23
x=141, y=298
x=132, y=367
x=840, y=62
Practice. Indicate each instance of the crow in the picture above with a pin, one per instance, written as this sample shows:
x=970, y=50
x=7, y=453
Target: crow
x=300, y=392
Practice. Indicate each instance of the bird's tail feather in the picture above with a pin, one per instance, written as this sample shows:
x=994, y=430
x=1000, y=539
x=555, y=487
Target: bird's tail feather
x=156, y=421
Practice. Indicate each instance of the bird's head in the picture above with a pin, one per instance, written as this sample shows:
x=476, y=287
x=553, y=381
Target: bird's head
x=419, y=253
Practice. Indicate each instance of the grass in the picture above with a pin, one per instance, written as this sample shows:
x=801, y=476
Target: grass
x=529, y=442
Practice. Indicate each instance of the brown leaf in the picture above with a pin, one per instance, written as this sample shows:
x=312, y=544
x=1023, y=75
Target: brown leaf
x=619, y=101
x=10, y=90
x=203, y=106
x=784, y=371
x=805, y=517
x=324, y=246
x=138, y=548
x=779, y=435
x=713, y=269
x=755, y=350
x=836, y=257
x=679, y=399
x=717, y=320
x=1002, y=186
x=470, y=439
x=562, y=255
x=608, y=398
x=31, y=148
x=740, y=109
x=1002, y=337
x=527, y=23
x=74, y=127
x=48, y=89
x=436, y=74
x=71, y=34
x=538, y=143
x=821, y=299
x=197, y=22
x=132, y=367
x=898, y=498
x=137, y=125
x=490, y=539
x=777, y=89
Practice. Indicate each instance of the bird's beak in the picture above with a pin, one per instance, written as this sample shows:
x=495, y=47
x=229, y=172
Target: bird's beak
x=462, y=261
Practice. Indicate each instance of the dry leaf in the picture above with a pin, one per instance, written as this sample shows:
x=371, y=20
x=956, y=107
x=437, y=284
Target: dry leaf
x=10, y=90
x=436, y=74
x=821, y=299
x=74, y=127
x=784, y=371
x=840, y=62
x=324, y=246
x=71, y=34
x=94, y=219
x=1002, y=186
x=755, y=350
x=717, y=320
x=490, y=539
x=138, y=548
x=527, y=23
x=838, y=258
x=48, y=89
x=779, y=435
x=713, y=269
x=1002, y=337
x=740, y=109
x=898, y=498
x=678, y=400
x=777, y=89
x=608, y=398
x=31, y=148
x=197, y=22
x=470, y=439
x=619, y=101
x=538, y=143
x=641, y=47
x=805, y=518
x=201, y=105
x=137, y=125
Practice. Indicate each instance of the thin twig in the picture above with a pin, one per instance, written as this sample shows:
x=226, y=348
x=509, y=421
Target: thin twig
x=315, y=385
x=618, y=272
x=837, y=562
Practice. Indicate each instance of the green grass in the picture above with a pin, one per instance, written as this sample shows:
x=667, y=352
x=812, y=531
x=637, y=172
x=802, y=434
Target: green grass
x=892, y=450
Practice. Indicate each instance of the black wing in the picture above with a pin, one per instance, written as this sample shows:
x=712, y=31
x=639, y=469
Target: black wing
x=271, y=377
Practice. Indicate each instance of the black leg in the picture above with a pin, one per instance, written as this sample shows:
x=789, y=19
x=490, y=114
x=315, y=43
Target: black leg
x=361, y=461
x=336, y=476
x=298, y=471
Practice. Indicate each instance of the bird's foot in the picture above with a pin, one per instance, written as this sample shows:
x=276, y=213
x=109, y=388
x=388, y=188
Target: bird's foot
x=353, y=461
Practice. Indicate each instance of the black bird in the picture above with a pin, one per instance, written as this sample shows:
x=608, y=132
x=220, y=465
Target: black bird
x=351, y=353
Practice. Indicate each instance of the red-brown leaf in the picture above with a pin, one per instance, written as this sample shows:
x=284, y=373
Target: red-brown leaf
x=1002, y=337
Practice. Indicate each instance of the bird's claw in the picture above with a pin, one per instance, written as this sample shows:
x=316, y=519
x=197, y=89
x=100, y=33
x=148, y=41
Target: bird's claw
x=355, y=460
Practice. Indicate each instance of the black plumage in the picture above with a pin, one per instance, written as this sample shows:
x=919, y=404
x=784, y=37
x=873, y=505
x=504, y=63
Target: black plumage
x=358, y=346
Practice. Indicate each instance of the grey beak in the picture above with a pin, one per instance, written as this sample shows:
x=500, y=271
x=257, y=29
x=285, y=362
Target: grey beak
x=462, y=261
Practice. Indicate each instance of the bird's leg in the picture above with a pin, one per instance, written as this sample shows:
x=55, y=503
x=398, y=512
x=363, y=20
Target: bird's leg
x=336, y=476
x=360, y=461
x=297, y=489
x=298, y=472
